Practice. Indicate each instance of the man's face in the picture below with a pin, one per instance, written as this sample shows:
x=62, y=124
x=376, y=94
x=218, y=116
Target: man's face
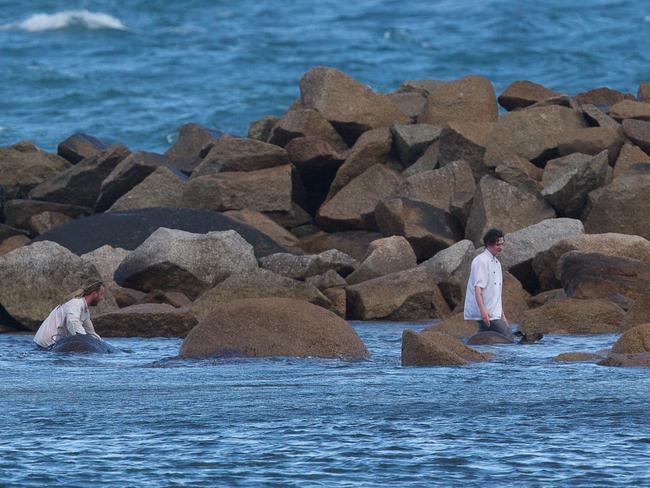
x=97, y=297
x=497, y=247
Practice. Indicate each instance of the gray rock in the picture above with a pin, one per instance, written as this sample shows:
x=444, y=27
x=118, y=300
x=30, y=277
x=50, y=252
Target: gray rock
x=602, y=96
x=630, y=109
x=597, y=117
x=329, y=279
x=466, y=141
x=46, y=221
x=106, y=260
x=260, y=129
x=593, y=140
x=410, y=103
x=302, y=267
x=181, y=261
x=638, y=131
x=36, y=278
x=427, y=162
x=450, y=269
x=385, y=256
x=146, y=320
x=126, y=175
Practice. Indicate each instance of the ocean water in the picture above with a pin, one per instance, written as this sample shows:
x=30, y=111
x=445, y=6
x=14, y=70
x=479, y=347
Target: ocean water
x=142, y=418
x=133, y=72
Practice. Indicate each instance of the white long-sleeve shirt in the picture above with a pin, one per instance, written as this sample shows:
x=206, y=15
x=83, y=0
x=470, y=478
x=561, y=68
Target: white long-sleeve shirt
x=70, y=318
x=486, y=273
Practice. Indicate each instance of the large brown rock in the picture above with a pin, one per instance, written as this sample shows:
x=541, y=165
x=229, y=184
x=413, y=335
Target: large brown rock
x=176, y=260
x=611, y=244
x=45, y=221
x=445, y=188
x=428, y=229
x=351, y=107
x=306, y=123
x=572, y=316
x=629, y=156
x=6, y=231
x=466, y=141
x=633, y=341
x=427, y=162
x=568, y=180
x=259, y=327
x=23, y=166
x=268, y=226
x=106, y=260
x=638, y=131
x=353, y=207
x=18, y=212
x=411, y=140
x=259, y=283
x=185, y=154
x=11, y=243
x=373, y=147
x=431, y=348
x=593, y=140
x=353, y=242
x=515, y=298
x=81, y=184
x=639, y=360
x=602, y=96
x=621, y=206
x=630, y=109
x=596, y=117
x=385, y=256
x=522, y=93
x=496, y=157
x=80, y=146
x=162, y=188
x=467, y=98
x=36, y=278
x=639, y=313
x=131, y=171
x=594, y=275
x=535, y=133
x=146, y=320
x=456, y=326
x=263, y=190
x=500, y=205
x=406, y=295
x=238, y=154
x=410, y=103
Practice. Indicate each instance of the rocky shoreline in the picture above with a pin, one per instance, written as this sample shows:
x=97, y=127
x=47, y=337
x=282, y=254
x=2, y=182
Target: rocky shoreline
x=359, y=204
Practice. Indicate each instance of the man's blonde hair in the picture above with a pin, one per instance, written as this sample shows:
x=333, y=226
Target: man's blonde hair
x=90, y=287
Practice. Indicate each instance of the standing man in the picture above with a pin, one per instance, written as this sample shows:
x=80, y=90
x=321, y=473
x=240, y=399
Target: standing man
x=71, y=317
x=484, y=288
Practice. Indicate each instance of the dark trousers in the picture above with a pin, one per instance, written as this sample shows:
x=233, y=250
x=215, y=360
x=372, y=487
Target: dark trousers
x=496, y=325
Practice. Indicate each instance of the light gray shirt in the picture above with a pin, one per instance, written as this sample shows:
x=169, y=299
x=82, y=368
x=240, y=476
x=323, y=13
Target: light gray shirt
x=486, y=273
x=70, y=318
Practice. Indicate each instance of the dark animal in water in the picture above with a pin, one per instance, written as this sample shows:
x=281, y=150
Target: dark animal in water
x=490, y=337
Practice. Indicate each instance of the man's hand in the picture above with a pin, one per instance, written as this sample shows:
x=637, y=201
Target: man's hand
x=486, y=318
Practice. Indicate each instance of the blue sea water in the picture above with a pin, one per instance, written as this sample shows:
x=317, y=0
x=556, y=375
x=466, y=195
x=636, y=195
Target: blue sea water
x=142, y=418
x=133, y=72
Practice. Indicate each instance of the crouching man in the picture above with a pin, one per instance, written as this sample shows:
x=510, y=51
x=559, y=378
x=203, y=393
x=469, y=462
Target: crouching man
x=71, y=317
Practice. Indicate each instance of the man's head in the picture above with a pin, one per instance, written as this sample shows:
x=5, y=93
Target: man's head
x=94, y=293
x=494, y=241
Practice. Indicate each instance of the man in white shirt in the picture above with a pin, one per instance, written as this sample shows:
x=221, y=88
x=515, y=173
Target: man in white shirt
x=484, y=288
x=71, y=317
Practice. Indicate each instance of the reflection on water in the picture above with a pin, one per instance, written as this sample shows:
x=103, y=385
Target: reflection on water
x=143, y=418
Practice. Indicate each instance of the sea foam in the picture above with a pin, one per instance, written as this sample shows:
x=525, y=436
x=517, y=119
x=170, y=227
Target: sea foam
x=70, y=18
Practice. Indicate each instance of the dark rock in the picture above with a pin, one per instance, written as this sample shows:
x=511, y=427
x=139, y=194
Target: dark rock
x=597, y=118
x=6, y=231
x=80, y=146
x=162, y=188
x=427, y=162
x=130, y=172
x=353, y=243
x=43, y=222
x=465, y=141
x=522, y=93
x=174, y=298
x=262, y=327
x=306, y=123
x=11, y=243
x=82, y=343
x=602, y=96
x=81, y=184
x=267, y=226
x=127, y=230
x=261, y=129
x=413, y=139
x=450, y=269
x=185, y=154
x=410, y=103
x=593, y=140
x=638, y=132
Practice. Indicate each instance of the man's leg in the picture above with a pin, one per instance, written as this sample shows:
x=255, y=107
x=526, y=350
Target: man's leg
x=500, y=326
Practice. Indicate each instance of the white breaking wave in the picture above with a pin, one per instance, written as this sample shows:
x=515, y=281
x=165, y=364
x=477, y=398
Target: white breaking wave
x=69, y=18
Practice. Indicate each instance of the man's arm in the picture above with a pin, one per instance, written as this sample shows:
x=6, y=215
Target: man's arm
x=90, y=328
x=478, y=293
x=503, y=316
x=73, y=322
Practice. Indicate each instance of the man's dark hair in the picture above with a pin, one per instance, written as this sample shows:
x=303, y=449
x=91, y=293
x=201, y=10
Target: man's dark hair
x=492, y=236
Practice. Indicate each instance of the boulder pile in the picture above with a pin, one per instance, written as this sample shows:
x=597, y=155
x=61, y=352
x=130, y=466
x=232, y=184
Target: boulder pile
x=369, y=205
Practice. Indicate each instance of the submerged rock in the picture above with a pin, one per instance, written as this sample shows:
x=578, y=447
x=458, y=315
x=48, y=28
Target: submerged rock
x=431, y=348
